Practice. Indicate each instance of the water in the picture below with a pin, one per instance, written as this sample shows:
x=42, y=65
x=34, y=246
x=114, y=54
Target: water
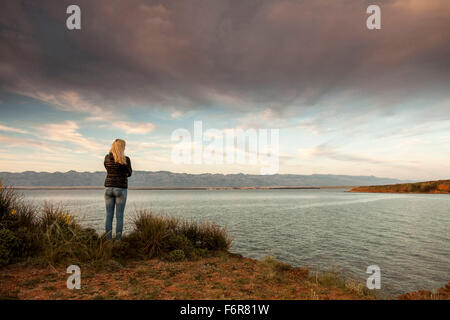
x=406, y=235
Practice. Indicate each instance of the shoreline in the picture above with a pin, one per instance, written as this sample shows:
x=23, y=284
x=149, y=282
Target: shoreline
x=426, y=187
x=396, y=192
x=224, y=275
x=181, y=260
x=181, y=188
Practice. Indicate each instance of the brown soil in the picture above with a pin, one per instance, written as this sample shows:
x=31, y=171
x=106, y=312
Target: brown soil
x=225, y=276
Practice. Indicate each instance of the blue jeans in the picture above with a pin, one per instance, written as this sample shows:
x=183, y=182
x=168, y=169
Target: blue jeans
x=115, y=198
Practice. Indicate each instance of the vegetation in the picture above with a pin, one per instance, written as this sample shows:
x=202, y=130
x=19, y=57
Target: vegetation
x=440, y=186
x=441, y=294
x=52, y=235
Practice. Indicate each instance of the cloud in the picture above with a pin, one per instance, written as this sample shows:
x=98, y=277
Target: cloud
x=302, y=66
x=354, y=160
x=23, y=142
x=9, y=129
x=68, y=132
x=323, y=151
x=176, y=114
x=36, y=145
x=140, y=147
x=67, y=101
x=126, y=126
x=265, y=119
x=234, y=55
x=133, y=127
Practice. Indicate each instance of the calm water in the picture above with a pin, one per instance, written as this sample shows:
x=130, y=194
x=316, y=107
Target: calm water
x=407, y=236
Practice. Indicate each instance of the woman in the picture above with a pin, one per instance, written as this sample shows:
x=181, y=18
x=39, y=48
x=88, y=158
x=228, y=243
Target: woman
x=118, y=168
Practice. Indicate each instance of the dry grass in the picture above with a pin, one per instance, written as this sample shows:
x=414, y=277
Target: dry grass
x=51, y=235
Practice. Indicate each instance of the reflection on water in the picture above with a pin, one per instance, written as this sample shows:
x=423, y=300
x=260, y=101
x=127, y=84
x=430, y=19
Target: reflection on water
x=406, y=235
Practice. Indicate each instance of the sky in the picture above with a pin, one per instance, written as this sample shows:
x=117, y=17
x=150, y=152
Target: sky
x=345, y=99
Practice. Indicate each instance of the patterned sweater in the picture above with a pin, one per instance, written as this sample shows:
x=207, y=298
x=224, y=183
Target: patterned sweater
x=117, y=174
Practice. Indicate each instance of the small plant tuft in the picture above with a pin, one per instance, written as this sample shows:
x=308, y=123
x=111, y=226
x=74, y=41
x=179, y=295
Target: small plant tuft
x=176, y=255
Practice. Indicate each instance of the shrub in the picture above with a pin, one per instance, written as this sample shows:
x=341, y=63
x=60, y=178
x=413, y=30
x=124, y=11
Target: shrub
x=201, y=252
x=274, y=269
x=65, y=240
x=55, y=236
x=425, y=187
x=14, y=213
x=157, y=235
x=20, y=220
x=9, y=200
x=176, y=255
x=56, y=214
x=206, y=235
x=176, y=241
x=10, y=247
x=150, y=232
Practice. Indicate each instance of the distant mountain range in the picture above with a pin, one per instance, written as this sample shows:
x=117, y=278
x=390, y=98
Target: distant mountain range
x=185, y=180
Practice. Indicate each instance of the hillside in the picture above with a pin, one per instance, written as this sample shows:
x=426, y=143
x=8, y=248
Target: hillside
x=170, y=179
x=440, y=186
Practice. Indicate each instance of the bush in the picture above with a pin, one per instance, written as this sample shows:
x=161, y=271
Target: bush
x=201, y=252
x=18, y=220
x=9, y=200
x=65, y=240
x=56, y=215
x=425, y=187
x=150, y=233
x=157, y=235
x=206, y=235
x=13, y=212
x=10, y=247
x=176, y=241
x=176, y=255
x=55, y=236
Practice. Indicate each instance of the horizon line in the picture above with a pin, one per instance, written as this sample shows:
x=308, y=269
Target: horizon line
x=210, y=173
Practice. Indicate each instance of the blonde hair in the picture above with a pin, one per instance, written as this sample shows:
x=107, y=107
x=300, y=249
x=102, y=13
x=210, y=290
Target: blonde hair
x=118, y=151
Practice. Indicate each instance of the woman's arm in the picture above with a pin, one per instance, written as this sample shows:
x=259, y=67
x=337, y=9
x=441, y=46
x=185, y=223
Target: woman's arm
x=130, y=170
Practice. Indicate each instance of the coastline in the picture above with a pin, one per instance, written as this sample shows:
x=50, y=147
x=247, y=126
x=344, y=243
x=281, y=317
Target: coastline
x=396, y=192
x=221, y=276
x=180, y=270
x=426, y=187
x=180, y=188
x=224, y=275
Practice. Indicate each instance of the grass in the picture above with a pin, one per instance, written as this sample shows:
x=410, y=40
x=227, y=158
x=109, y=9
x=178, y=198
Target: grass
x=338, y=279
x=52, y=235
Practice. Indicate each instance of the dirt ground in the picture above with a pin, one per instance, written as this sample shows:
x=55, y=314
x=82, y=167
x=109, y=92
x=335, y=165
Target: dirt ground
x=221, y=277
